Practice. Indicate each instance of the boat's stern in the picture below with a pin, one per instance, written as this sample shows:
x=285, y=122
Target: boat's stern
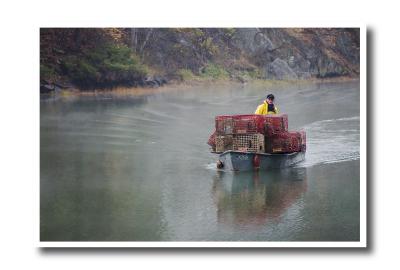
x=245, y=161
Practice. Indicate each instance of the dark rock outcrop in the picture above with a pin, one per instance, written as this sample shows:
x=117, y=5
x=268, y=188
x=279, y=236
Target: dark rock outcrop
x=153, y=82
x=47, y=88
x=280, y=70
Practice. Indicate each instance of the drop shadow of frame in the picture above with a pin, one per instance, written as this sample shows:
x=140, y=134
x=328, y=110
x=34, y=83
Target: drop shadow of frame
x=214, y=251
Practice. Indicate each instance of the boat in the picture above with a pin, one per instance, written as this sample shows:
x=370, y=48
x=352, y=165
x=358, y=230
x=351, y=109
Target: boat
x=246, y=161
x=248, y=142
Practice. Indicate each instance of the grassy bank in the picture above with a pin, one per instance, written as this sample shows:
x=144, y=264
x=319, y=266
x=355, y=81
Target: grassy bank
x=198, y=82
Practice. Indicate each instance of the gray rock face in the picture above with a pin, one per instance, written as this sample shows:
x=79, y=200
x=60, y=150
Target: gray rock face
x=280, y=53
x=262, y=42
x=252, y=40
x=280, y=70
x=302, y=53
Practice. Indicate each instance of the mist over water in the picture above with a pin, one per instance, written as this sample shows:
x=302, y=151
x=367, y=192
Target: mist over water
x=129, y=168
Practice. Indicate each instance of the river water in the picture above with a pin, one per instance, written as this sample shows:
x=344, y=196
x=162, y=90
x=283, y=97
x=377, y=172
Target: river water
x=137, y=168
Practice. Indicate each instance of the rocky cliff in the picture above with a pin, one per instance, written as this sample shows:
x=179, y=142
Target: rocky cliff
x=109, y=57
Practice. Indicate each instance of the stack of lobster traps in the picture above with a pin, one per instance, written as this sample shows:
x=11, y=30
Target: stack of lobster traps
x=256, y=134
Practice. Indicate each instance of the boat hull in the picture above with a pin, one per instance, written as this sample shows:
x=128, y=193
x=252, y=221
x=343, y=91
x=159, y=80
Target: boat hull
x=244, y=161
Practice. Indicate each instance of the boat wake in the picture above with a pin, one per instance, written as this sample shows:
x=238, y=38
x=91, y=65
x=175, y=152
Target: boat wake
x=331, y=141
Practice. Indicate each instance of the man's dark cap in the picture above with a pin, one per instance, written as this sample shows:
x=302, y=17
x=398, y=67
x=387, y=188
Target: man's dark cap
x=271, y=97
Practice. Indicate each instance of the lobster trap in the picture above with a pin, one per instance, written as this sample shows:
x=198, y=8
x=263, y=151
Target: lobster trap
x=224, y=124
x=251, y=124
x=256, y=133
x=247, y=124
x=211, y=141
x=285, y=142
x=275, y=124
x=249, y=143
x=223, y=143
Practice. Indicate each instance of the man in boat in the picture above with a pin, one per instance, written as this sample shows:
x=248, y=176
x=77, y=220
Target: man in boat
x=268, y=107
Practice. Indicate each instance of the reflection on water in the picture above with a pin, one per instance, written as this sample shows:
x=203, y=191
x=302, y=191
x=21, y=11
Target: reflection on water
x=257, y=198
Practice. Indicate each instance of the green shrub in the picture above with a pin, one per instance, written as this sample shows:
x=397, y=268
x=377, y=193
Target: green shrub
x=255, y=74
x=46, y=72
x=208, y=48
x=185, y=74
x=214, y=72
x=81, y=71
x=105, y=66
x=229, y=32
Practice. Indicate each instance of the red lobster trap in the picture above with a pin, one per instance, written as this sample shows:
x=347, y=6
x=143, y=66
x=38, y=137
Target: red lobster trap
x=251, y=124
x=275, y=124
x=256, y=133
x=285, y=142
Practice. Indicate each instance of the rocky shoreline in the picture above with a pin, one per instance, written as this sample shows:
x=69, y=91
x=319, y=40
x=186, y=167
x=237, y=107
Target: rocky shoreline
x=58, y=89
x=47, y=86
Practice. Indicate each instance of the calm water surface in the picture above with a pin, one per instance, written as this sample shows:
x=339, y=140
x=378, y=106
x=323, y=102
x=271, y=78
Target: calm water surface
x=138, y=168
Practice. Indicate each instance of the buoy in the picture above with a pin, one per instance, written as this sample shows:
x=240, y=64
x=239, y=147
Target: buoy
x=256, y=161
x=220, y=165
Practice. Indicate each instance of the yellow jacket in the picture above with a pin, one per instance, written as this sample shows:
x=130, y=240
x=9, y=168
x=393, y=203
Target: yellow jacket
x=263, y=109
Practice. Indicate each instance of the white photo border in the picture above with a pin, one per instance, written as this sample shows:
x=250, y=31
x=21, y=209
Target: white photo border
x=226, y=244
